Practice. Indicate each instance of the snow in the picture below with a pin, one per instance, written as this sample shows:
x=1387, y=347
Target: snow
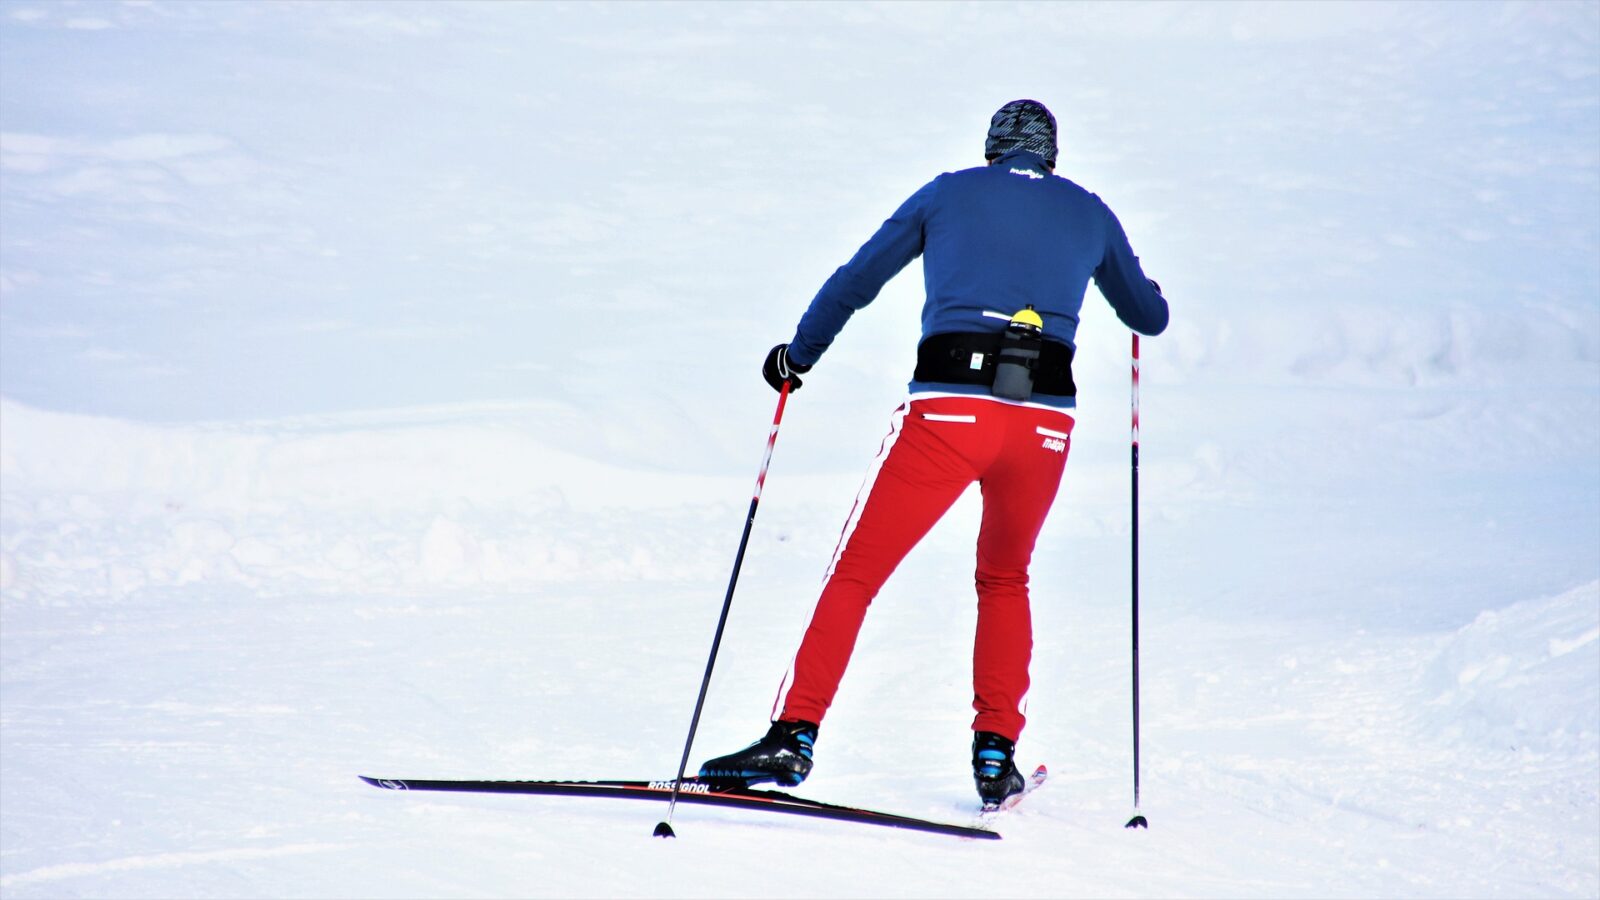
x=379, y=426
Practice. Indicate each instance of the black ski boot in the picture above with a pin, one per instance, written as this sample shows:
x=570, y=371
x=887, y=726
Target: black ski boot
x=783, y=756
x=994, y=769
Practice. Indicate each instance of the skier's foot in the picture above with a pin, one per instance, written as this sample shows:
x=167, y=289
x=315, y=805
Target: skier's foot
x=994, y=770
x=783, y=756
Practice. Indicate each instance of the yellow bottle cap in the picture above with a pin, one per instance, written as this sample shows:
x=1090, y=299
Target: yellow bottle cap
x=1028, y=317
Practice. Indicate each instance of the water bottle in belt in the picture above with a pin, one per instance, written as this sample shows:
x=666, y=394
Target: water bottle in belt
x=1020, y=345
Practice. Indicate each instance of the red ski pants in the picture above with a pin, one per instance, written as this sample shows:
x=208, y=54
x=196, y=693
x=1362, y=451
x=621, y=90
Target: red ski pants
x=936, y=447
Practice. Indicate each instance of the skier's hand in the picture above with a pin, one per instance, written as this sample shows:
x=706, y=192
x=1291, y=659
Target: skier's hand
x=777, y=369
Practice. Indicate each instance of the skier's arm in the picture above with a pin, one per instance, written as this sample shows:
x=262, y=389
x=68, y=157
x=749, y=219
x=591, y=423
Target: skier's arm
x=1134, y=296
x=856, y=283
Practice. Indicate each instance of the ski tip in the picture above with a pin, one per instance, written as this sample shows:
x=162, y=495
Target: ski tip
x=1040, y=772
x=663, y=830
x=386, y=783
x=1137, y=822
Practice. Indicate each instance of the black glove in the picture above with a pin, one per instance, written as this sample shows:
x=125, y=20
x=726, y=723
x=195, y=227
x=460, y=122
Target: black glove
x=778, y=369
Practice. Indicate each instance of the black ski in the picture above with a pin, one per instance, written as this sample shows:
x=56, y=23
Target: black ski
x=693, y=791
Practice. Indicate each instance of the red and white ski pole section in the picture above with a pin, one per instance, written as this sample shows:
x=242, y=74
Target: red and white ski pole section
x=1138, y=821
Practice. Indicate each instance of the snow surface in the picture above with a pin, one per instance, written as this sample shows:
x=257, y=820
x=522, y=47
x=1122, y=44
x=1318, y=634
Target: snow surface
x=359, y=416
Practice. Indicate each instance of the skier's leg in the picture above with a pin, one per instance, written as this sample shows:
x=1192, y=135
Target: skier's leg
x=1018, y=489
x=920, y=471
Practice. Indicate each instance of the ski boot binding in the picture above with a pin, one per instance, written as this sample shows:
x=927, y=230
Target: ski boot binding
x=994, y=769
x=782, y=756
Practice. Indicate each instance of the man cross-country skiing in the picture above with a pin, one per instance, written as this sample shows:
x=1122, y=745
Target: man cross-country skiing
x=1008, y=250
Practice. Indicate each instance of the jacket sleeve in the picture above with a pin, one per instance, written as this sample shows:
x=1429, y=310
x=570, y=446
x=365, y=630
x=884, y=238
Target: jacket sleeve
x=856, y=283
x=1135, y=298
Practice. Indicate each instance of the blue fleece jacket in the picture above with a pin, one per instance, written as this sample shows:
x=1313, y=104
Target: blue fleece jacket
x=993, y=240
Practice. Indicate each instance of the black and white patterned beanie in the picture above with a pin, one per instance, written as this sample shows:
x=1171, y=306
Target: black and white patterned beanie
x=1024, y=125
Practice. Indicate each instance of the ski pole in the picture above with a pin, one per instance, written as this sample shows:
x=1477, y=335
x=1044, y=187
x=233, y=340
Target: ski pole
x=1138, y=821
x=664, y=828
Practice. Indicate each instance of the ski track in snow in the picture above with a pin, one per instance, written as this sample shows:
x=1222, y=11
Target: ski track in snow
x=160, y=861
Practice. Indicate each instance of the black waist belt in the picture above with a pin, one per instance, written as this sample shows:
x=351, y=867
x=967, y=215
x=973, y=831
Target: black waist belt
x=963, y=358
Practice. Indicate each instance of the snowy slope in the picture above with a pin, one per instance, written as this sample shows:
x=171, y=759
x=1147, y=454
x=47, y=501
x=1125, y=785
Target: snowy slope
x=358, y=417
x=196, y=669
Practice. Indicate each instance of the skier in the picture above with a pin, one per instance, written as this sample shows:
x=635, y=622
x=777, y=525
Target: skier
x=1008, y=250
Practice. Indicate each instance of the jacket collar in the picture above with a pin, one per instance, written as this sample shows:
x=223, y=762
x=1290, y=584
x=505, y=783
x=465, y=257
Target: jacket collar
x=1022, y=159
